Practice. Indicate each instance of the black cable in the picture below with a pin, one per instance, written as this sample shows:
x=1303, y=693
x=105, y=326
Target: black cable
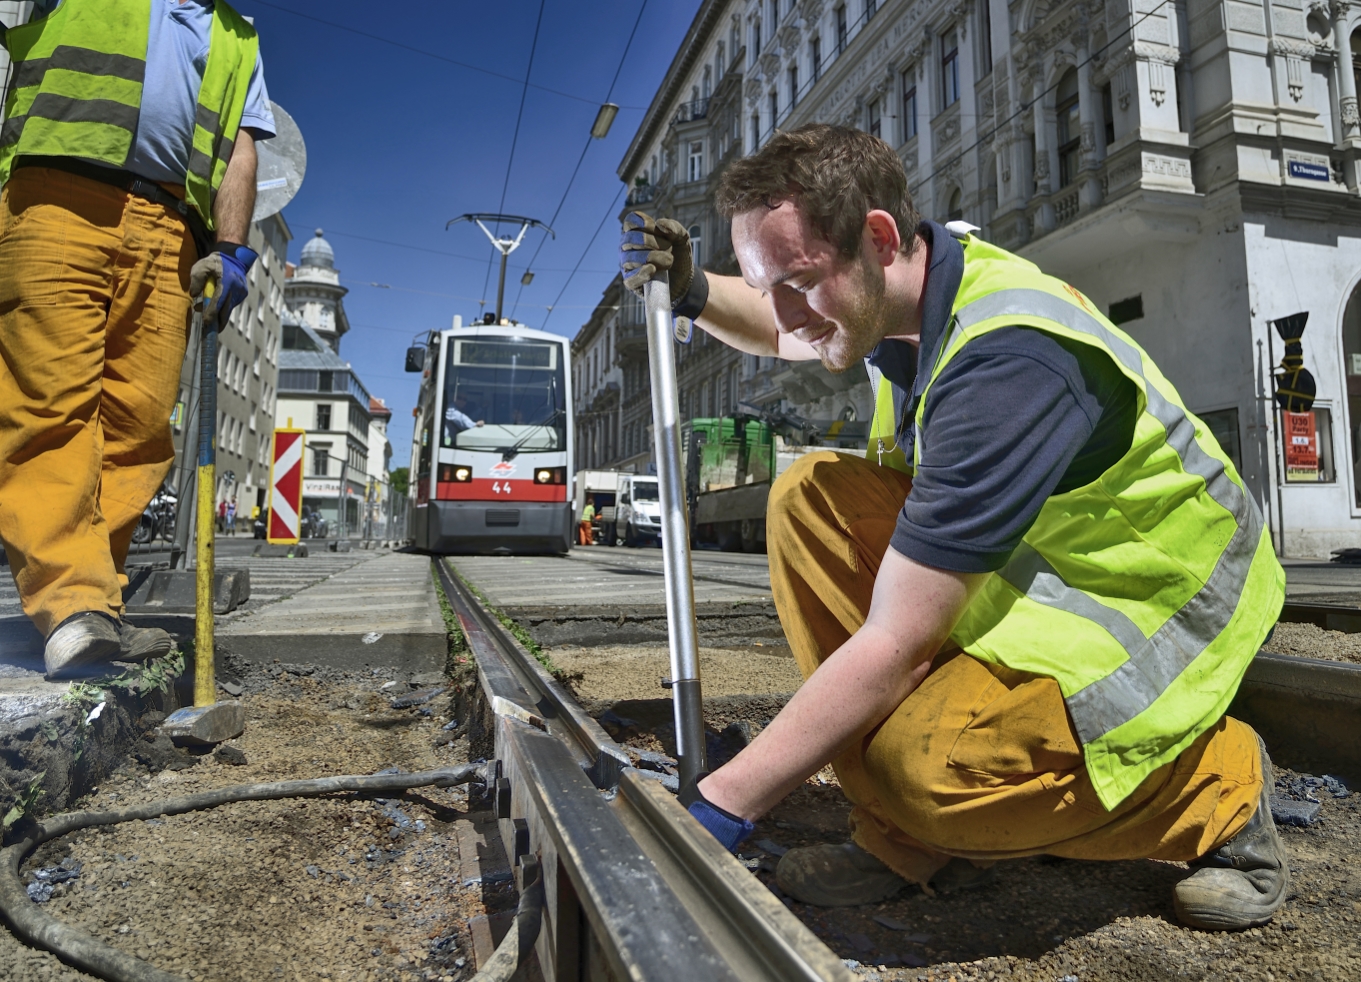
x=514, y=141
x=589, y=140
x=613, y=205
x=428, y=54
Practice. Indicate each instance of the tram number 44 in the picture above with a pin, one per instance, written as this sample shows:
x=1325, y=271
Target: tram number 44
x=501, y=488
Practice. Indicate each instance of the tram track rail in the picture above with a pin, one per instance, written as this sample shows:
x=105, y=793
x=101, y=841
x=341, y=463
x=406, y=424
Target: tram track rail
x=635, y=889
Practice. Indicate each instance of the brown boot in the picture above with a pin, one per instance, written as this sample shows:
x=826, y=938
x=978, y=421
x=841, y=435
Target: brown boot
x=1243, y=882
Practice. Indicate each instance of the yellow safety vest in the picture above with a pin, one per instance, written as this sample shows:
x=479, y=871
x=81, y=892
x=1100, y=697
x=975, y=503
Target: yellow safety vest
x=77, y=89
x=1146, y=593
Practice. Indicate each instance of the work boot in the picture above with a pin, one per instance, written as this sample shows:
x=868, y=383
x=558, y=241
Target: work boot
x=1243, y=882
x=960, y=876
x=142, y=643
x=79, y=641
x=836, y=876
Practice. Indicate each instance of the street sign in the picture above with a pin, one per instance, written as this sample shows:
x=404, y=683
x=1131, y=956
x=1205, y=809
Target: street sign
x=285, y=487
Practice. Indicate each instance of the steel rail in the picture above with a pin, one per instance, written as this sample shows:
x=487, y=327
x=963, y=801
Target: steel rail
x=635, y=889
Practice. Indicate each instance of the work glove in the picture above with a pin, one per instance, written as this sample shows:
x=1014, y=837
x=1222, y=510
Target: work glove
x=226, y=266
x=724, y=826
x=647, y=247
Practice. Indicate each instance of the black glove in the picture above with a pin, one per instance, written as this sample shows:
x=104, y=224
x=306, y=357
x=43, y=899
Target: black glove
x=648, y=246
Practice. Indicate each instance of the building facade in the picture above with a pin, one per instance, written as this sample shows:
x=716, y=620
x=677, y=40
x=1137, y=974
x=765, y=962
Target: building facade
x=1193, y=166
x=320, y=392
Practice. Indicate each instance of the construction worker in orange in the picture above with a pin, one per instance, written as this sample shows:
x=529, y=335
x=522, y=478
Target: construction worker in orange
x=127, y=159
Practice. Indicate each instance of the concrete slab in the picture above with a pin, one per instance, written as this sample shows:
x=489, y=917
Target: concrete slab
x=382, y=610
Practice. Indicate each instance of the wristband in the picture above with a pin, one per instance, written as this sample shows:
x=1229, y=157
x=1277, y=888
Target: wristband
x=692, y=304
x=243, y=254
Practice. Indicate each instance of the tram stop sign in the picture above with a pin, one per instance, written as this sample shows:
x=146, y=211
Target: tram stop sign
x=285, y=488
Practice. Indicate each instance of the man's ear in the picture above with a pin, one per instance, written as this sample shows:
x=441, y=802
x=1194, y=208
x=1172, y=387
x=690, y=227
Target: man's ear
x=882, y=240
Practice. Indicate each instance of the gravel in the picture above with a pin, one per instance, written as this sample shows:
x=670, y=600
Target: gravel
x=1312, y=641
x=344, y=888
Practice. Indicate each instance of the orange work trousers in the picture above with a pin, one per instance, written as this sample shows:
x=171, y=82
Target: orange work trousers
x=94, y=317
x=585, y=536
x=981, y=761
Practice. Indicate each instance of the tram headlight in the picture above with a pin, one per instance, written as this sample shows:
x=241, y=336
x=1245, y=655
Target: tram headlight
x=455, y=472
x=463, y=473
x=550, y=475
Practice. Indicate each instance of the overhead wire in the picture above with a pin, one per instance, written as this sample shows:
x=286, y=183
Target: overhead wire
x=514, y=141
x=608, y=215
x=590, y=138
x=428, y=54
x=435, y=252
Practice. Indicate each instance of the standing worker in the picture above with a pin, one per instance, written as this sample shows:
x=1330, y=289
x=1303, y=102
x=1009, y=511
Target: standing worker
x=1022, y=616
x=127, y=158
x=585, y=533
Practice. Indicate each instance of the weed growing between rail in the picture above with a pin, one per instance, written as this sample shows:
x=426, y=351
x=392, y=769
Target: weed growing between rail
x=520, y=634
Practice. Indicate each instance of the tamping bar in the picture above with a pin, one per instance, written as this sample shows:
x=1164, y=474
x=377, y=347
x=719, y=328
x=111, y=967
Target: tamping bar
x=680, y=591
x=205, y=687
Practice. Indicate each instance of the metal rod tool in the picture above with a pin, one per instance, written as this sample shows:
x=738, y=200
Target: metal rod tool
x=205, y=687
x=680, y=590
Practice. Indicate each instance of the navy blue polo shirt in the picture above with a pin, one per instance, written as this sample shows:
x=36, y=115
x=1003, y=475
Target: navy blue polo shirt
x=1016, y=417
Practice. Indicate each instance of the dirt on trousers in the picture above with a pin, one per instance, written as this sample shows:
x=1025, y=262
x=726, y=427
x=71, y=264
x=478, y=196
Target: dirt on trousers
x=345, y=888
x=1043, y=919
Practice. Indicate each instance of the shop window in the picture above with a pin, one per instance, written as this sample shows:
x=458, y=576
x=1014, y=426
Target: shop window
x=1223, y=424
x=1307, y=443
x=1351, y=365
x=1070, y=128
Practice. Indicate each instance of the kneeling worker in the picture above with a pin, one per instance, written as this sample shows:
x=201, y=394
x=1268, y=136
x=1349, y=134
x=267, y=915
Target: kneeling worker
x=1022, y=617
x=128, y=165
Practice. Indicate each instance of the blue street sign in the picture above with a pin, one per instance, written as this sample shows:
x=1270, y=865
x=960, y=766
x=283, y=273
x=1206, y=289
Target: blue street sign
x=1308, y=171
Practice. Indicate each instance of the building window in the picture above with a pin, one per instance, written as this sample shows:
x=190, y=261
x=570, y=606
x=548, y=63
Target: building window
x=697, y=244
x=324, y=416
x=954, y=212
x=793, y=85
x=1307, y=440
x=755, y=40
x=875, y=119
x=1129, y=309
x=815, y=57
x=909, y=104
x=774, y=14
x=1108, y=113
x=321, y=462
x=1351, y=367
x=1224, y=425
x=719, y=66
x=870, y=7
x=695, y=171
x=755, y=131
x=985, y=36
x=1069, y=128
x=842, y=31
x=774, y=108
x=949, y=69
x=708, y=85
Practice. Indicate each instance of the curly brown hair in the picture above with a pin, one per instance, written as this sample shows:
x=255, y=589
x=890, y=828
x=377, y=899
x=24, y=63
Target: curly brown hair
x=836, y=175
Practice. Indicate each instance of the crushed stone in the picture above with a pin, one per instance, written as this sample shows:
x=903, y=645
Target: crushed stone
x=1312, y=641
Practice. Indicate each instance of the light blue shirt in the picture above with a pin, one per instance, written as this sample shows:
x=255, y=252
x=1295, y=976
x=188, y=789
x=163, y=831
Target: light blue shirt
x=177, y=53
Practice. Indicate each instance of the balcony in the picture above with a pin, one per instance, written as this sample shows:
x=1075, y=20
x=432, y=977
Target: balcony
x=641, y=194
x=689, y=112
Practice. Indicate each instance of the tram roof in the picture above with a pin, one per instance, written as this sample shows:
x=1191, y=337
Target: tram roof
x=506, y=331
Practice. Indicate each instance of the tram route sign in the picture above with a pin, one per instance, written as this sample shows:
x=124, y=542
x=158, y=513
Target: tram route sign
x=285, y=487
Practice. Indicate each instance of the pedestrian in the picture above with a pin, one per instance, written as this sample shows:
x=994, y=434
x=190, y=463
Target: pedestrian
x=222, y=516
x=231, y=517
x=128, y=170
x=585, y=533
x=1030, y=604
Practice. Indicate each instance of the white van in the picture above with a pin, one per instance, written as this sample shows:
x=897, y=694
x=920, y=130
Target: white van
x=637, y=512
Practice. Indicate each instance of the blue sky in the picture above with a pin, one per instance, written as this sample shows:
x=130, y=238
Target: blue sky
x=399, y=142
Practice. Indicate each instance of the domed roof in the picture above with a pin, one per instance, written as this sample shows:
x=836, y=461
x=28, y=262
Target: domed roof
x=318, y=252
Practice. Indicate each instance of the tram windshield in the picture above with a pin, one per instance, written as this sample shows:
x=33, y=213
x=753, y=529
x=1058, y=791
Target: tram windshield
x=504, y=395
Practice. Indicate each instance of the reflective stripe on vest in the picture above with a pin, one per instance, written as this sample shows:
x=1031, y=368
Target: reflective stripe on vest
x=221, y=100
x=1154, y=662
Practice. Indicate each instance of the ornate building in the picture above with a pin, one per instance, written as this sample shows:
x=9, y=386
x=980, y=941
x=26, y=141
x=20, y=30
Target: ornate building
x=1192, y=165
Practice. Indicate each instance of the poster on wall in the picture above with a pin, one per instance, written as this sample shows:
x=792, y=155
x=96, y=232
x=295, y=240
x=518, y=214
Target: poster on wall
x=1301, y=447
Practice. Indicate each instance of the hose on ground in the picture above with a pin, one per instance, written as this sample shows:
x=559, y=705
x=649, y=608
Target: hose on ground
x=87, y=953
x=519, y=941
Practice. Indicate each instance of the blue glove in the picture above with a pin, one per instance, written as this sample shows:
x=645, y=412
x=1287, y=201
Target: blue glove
x=647, y=247
x=226, y=266
x=724, y=826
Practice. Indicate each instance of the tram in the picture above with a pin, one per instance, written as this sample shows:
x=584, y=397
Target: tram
x=491, y=457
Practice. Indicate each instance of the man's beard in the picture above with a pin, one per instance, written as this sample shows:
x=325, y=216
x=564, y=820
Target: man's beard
x=860, y=328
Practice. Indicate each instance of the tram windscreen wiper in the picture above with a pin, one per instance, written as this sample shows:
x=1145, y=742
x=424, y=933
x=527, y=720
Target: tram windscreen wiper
x=509, y=453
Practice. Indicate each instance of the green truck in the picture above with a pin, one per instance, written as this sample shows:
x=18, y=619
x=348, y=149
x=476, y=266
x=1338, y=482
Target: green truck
x=730, y=463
